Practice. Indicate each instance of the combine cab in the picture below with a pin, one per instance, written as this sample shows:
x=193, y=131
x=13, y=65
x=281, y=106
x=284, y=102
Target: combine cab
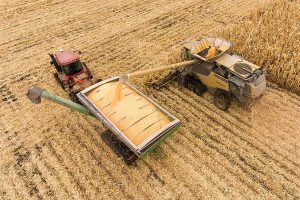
x=72, y=74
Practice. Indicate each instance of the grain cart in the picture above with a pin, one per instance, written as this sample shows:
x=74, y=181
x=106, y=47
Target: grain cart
x=72, y=74
x=207, y=66
x=137, y=125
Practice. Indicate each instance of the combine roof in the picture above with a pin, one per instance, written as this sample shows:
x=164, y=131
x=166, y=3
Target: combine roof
x=66, y=57
x=237, y=65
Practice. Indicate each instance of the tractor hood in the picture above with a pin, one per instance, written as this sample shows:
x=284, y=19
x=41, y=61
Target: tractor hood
x=66, y=57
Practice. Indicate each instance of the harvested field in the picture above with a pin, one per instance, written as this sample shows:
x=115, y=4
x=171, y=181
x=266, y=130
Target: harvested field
x=49, y=152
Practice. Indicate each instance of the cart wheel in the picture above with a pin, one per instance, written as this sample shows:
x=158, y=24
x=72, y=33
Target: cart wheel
x=156, y=86
x=222, y=100
x=131, y=159
x=119, y=148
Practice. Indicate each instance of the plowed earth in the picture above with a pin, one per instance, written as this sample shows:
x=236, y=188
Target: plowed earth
x=47, y=151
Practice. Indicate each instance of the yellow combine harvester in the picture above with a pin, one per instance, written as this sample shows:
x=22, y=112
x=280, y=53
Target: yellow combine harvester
x=207, y=66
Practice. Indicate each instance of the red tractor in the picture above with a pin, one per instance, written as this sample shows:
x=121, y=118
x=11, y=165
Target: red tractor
x=72, y=74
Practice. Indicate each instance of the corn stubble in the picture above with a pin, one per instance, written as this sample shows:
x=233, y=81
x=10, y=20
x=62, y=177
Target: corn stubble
x=49, y=152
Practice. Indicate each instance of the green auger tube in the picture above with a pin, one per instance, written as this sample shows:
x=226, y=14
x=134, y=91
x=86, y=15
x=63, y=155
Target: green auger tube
x=35, y=94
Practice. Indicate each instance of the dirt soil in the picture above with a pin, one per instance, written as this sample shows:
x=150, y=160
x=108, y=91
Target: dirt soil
x=49, y=152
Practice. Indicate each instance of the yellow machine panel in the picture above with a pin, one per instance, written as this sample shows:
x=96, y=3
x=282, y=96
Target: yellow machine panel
x=214, y=80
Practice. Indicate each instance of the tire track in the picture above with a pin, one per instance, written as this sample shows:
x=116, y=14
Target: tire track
x=215, y=120
x=202, y=111
x=220, y=150
x=23, y=169
x=50, y=173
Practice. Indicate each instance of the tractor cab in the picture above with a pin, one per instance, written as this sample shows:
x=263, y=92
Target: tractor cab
x=68, y=62
x=71, y=73
x=72, y=68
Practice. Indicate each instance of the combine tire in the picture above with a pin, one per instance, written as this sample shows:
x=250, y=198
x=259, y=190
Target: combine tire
x=194, y=85
x=222, y=100
x=199, y=88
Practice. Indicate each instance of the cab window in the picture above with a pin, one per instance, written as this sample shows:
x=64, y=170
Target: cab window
x=73, y=68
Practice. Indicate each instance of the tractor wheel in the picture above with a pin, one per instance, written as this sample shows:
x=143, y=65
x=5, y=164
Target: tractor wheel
x=222, y=100
x=58, y=80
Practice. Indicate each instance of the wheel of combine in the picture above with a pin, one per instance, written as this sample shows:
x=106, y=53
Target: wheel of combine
x=199, y=88
x=194, y=85
x=222, y=100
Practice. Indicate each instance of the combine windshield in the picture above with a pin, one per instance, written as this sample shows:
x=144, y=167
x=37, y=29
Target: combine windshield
x=73, y=67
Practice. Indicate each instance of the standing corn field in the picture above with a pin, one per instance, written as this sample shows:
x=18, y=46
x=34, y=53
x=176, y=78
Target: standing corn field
x=271, y=37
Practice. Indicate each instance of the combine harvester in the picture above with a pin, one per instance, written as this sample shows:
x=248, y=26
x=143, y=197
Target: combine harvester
x=139, y=123
x=207, y=66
